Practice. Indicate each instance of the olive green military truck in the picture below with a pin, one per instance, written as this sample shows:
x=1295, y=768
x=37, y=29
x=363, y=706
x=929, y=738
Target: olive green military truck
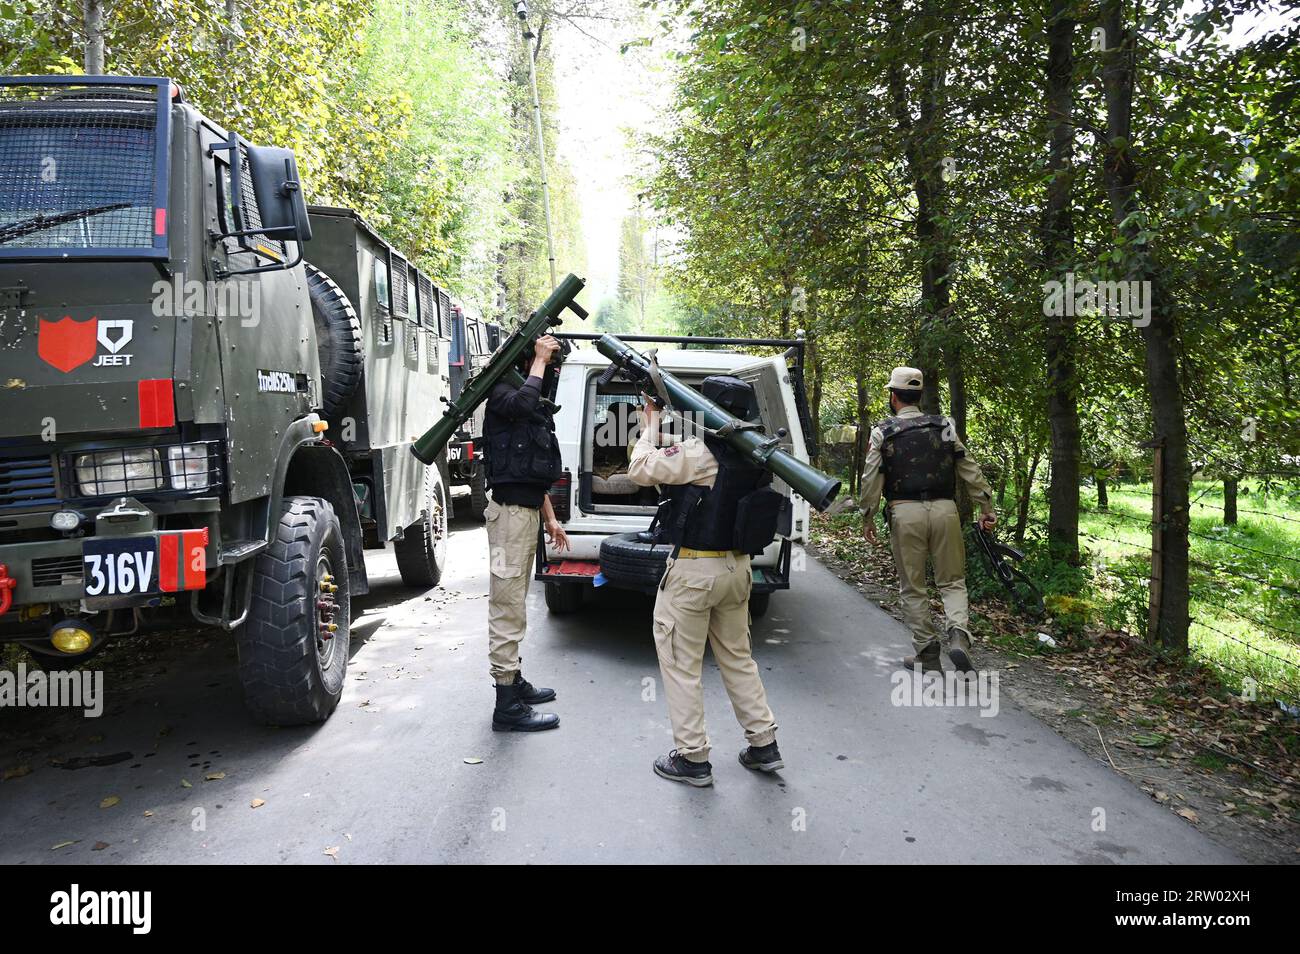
x=196, y=425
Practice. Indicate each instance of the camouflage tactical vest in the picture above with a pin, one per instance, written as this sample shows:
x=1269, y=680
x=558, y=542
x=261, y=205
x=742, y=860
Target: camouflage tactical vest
x=918, y=463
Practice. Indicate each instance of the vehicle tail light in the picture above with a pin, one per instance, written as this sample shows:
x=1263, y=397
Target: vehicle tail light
x=561, y=497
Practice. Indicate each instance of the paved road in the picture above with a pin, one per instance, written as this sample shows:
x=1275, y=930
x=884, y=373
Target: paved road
x=385, y=780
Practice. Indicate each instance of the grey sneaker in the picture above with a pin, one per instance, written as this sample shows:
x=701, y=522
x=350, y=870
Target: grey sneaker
x=676, y=768
x=762, y=758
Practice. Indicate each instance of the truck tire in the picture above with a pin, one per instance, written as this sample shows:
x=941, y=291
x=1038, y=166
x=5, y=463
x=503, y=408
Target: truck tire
x=565, y=597
x=292, y=670
x=338, y=341
x=758, y=603
x=626, y=560
x=422, y=551
x=478, y=494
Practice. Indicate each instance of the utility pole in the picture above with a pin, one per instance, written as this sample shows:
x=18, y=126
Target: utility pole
x=521, y=11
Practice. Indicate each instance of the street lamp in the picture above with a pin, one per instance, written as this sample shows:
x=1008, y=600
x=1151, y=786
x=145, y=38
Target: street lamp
x=521, y=11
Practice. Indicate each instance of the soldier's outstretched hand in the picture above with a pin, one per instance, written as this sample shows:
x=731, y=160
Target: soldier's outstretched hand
x=869, y=531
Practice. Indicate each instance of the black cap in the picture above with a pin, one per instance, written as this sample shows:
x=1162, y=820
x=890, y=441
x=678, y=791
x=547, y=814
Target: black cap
x=735, y=396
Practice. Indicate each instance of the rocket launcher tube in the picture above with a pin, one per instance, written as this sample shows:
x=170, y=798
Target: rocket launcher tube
x=479, y=388
x=764, y=450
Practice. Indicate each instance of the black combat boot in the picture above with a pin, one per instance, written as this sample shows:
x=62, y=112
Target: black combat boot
x=928, y=658
x=762, y=758
x=512, y=714
x=530, y=694
x=677, y=768
x=959, y=649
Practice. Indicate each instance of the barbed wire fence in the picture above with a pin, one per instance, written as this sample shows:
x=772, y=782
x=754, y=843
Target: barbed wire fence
x=1220, y=572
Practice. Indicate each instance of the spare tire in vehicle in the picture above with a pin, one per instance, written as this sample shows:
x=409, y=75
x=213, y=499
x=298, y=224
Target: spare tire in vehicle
x=338, y=341
x=631, y=560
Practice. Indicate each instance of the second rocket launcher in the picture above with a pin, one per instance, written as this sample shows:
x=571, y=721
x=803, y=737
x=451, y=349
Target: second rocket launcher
x=479, y=388
x=763, y=449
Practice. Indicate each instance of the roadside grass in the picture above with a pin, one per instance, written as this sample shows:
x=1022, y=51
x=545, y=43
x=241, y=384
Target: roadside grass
x=1244, y=580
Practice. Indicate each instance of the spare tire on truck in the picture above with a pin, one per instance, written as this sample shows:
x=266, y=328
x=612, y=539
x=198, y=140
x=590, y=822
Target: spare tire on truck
x=338, y=341
x=631, y=560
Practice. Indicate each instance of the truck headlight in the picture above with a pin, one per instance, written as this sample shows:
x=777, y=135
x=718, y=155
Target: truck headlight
x=188, y=467
x=118, y=472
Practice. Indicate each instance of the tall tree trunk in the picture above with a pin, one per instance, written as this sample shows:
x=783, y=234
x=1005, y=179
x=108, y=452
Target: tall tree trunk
x=1026, y=491
x=814, y=358
x=93, y=13
x=863, y=436
x=1160, y=334
x=1058, y=255
x=1103, y=499
x=923, y=147
x=1229, y=501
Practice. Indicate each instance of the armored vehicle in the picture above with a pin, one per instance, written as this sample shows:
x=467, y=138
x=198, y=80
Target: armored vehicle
x=196, y=425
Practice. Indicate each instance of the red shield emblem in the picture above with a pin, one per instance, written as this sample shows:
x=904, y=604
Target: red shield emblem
x=65, y=343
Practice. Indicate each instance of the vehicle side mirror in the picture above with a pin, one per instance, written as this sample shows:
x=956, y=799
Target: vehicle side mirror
x=278, y=193
x=265, y=200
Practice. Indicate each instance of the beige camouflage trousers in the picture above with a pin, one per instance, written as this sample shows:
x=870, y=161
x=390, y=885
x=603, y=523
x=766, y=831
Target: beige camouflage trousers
x=706, y=601
x=921, y=529
x=512, y=544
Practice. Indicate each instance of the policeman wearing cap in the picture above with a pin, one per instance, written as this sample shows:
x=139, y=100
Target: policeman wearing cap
x=523, y=461
x=717, y=511
x=916, y=460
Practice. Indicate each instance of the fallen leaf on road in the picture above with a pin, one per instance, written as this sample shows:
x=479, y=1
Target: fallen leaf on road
x=62, y=844
x=109, y=802
x=148, y=814
x=214, y=776
x=473, y=761
x=1189, y=814
x=333, y=852
x=18, y=771
x=99, y=846
x=257, y=803
x=185, y=783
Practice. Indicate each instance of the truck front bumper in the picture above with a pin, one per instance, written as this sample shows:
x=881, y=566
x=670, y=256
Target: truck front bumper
x=53, y=570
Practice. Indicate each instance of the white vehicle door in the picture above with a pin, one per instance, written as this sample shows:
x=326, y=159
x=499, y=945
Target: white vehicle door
x=776, y=401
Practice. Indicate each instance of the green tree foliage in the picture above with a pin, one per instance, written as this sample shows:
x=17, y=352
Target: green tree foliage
x=886, y=164
x=409, y=111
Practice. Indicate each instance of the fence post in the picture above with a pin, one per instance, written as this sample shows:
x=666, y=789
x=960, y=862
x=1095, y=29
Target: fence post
x=1155, y=591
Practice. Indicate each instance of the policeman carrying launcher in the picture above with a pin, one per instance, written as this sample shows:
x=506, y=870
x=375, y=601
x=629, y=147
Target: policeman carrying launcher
x=718, y=511
x=523, y=461
x=916, y=459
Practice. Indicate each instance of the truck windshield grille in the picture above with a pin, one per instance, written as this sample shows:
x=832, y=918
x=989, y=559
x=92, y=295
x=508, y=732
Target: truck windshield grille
x=77, y=168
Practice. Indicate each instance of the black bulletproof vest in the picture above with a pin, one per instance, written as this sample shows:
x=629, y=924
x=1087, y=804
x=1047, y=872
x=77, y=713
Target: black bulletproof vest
x=918, y=463
x=523, y=451
x=726, y=516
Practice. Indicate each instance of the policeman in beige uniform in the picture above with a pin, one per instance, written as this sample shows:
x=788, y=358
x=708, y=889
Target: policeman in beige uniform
x=704, y=595
x=916, y=459
x=523, y=460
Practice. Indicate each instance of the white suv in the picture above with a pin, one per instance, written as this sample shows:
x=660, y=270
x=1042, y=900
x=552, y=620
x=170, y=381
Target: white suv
x=603, y=511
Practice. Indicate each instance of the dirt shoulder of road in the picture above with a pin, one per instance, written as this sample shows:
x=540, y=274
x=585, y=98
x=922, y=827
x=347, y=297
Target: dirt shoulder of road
x=1228, y=767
